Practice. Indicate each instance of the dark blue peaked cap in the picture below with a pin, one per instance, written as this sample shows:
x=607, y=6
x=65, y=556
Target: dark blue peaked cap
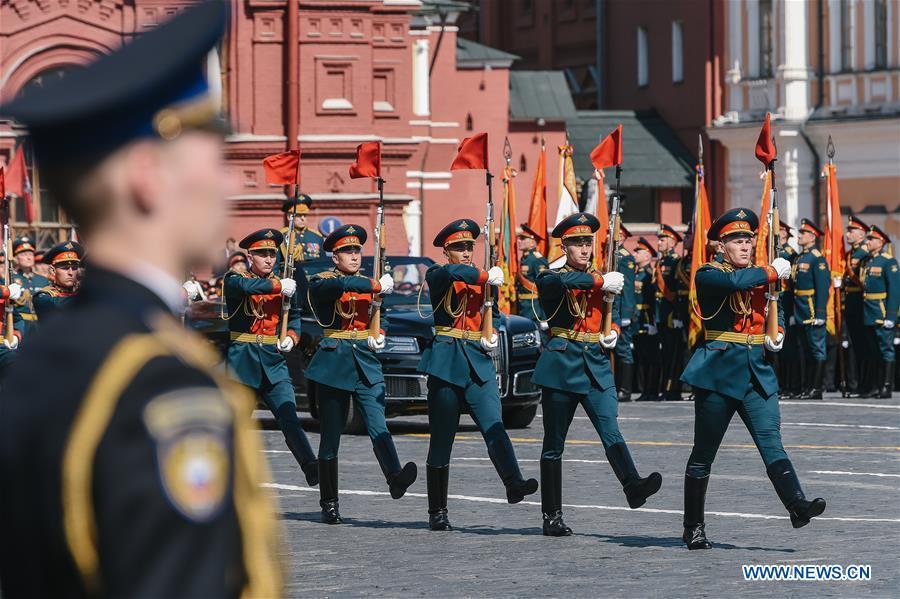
x=155, y=86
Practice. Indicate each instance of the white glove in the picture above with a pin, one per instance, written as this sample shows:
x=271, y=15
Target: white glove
x=837, y=282
x=376, y=344
x=677, y=324
x=626, y=322
x=610, y=341
x=489, y=345
x=613, y=282
x=11, y=344
x=544, y=325
x=777, y=344
x=888, y=324
x=288, y=287
x=387, y=284
x=792, y=321
x=15, y=291
x=782, y=267
x=193, y=290
x=286, y=344
x=495, y=276
x=652, y=330
x=817, y=322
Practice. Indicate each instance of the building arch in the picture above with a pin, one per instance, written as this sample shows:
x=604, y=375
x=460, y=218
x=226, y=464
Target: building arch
x=43, y=55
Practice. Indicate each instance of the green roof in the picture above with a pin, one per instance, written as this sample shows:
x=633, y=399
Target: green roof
x=474, y=55
x=651, y=154
x=540, y=94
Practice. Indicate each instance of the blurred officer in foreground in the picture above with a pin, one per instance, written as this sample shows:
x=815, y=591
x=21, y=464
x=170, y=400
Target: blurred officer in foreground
x=139, y=475
x=810, y=281
x=25, y=275
x=881, y=301
x=531, y=265
x=65, y=263
x=646, y=338
x=345, y=367
x=729, y=373
x=574, y=369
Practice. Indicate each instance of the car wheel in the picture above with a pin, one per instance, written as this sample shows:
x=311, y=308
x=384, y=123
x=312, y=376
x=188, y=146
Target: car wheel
x=519, y=417
x=354, y=422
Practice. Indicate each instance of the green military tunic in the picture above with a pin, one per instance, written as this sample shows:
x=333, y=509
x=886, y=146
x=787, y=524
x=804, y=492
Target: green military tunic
x=671, y=337
x=50, y=299
x=532, y=264
x=811, y=280
x=626, y=307
x=307, y=244
x=31, y=283
x=853, y=304
x=881, y=300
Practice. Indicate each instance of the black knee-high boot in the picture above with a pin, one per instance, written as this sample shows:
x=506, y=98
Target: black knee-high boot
x=637, y=489
x=503, y=457
x=551, y=499
x=398, y=479
x=437, y=480
x=887, y=381
x=624, y=370
x=328, y=491
x=694, y=518
x=787, y=485
x=297, y=442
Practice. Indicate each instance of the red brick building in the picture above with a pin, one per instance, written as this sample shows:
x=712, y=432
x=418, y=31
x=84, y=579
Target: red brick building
x=388, y=70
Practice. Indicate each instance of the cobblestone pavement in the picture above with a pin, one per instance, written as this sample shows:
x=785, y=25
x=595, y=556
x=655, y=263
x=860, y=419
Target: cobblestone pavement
x=847, y=451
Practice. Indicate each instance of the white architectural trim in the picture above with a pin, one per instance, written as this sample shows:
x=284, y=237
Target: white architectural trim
x=421, y=81
x=435, y=124
x=429, y=174
x=426, y=186
x=245, y=137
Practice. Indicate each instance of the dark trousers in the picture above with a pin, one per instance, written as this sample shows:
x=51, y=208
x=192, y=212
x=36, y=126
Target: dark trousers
x=558, y=409
x=279, y=398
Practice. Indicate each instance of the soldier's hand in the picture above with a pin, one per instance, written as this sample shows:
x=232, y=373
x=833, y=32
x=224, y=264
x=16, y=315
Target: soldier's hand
x=15, y=291
x=609, y=341
x=286, y=344
x=387, y=284
x=288, y=287
x=11, y=344
x=651, y=329
x=376, y=344
x=838, y=282
x=782, y=268
x=774, y=346
x=792, y=321
x=489, y=345
x=817, y=322
x=544, y=325
x=888, y=324
x=495, y=276
x=193, y=290
x=613, y=282
x=626, y=322
x=677, y=324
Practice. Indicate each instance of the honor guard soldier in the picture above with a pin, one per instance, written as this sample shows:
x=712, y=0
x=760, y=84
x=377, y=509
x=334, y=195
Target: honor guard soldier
x=24, y=275
x=253, y=308
x=789, y=358
x=624, y=366
x=861, y=349
x=574, y=369
x=681, y=318
x=671, y=328
x=810, y=281
x=881, y=301
x=65, y=263
x=140, y=475
x=7, y=346
x=646, y=335
x=729, y=373
x=345, y=366
x=307, y=243
x=531, y=265
x=461, y=370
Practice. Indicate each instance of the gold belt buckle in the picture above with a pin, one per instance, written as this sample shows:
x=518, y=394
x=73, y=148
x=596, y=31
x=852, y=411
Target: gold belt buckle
x=749, y=339
x=259, y=339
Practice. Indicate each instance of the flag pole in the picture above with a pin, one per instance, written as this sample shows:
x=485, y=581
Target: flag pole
x=378, y=258
x=612, y=246
x=487, y=317
x=774, y=219
x=289, y=258
x=838, y=321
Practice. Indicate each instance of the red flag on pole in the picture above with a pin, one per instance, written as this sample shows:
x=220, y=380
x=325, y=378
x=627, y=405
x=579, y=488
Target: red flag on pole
x=701, y=224
x=609, y=151
x=833, y=247
x=762, y=234
x=537, y=211
x=368, y=160
x=283, y=168
x=765, y=147
x=472, y=153
x=19, y=183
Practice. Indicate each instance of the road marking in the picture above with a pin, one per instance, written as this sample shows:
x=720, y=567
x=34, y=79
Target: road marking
x=855, y=473
x=534, y=460
x=614, y=508
x=838, y=403
x=832, y=425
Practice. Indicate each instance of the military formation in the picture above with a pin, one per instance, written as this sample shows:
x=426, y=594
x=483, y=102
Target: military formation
x=148, y=461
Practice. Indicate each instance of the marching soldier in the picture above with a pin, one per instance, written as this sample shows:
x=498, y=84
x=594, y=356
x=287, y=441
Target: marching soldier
x=307, y=243
x=624, y=366
x=729, y=372
x=670, y=326
x=681, y=317
x=646, y=333
x=788, y=359
x=881, y=301
x=810, y=281
x=531, y=265
x=146, y=478
x=8, y=346
x=25, y=275
x=65, y=263
x=460, y=369
x=853, y=305
x=574, y=369
x=253, y=309
x=345, y=365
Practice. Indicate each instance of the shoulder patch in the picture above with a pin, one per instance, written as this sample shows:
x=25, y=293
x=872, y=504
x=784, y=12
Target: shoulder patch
x=822, y=266
x=538, y=254
x=190, y=429
x=816, y=253
x=713, y=264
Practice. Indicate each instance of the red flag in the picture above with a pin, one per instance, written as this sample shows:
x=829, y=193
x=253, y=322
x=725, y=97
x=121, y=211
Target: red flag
x=762, y=234
x=537, y=211
x=601, y=237
x=472, y=153
x=765, y=147
x=283, y=168
x=609, y=151
x=701, y=224
x=368, y=160
x=19, y=182
x=833, y=248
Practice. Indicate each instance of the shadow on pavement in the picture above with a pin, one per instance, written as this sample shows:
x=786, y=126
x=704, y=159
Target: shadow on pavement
x=411, y=525
x=645, y=541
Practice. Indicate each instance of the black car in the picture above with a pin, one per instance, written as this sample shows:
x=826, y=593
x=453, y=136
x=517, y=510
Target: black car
x=409, y=328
